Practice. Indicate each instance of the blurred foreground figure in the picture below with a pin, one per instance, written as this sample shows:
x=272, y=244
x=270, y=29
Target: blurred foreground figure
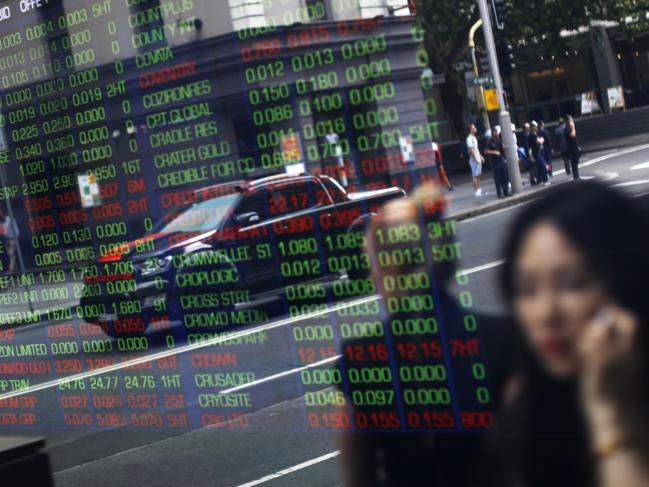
x=417, y=443
x=574, y=404
x=575, y=412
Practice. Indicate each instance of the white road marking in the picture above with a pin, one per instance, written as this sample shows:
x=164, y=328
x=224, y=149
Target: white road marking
x=611, y=156
x=469, y=271
x=605, y=157
x=217, y=341
x=185, y=348
x=463, y=272
x=292, y=469
x=279, y=375
x=644, y=165
x=606, y=175
x=634, y=182
x=483, y=267
x=563, y=171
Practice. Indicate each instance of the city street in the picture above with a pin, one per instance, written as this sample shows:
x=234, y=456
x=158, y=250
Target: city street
x=273, y=451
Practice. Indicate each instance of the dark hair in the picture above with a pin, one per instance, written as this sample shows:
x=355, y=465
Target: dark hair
x=609, y=227
x=543, y=430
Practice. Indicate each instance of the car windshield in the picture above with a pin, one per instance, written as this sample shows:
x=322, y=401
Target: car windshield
x=202, y=217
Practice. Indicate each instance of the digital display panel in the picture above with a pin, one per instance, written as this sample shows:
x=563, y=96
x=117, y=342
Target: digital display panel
x=187, y=193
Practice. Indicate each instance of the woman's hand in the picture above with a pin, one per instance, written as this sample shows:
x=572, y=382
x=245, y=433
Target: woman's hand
x=611, y=377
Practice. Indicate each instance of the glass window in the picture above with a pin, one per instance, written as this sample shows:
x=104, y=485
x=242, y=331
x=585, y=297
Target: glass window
x=230, y=256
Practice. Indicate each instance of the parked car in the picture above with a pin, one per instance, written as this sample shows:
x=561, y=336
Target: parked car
x=237, y=247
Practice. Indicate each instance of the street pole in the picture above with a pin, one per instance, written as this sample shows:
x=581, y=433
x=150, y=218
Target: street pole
x=508, y=138
x=476, y=73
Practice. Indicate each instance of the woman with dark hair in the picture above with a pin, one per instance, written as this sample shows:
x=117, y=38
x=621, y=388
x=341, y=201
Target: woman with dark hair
x=576, y=412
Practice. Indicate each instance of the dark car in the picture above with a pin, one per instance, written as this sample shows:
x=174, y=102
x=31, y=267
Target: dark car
x=231, y=256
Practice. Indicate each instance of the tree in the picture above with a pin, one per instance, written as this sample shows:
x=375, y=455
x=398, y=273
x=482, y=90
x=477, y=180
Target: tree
x=446, y=23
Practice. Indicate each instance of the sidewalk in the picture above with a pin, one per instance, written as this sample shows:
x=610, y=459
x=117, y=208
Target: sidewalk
x=464, y=205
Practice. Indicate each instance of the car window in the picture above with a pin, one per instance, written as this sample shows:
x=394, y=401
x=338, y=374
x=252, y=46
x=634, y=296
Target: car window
x=290, y=198
x=255, y=201
x=202, y=217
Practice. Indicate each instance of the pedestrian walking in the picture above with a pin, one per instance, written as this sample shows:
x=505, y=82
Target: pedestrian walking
x=475, y=160
x=537, y=152
x=572, y=145
x=562, y=144
x=496, y=154
x=442, y=174
x=547, y=146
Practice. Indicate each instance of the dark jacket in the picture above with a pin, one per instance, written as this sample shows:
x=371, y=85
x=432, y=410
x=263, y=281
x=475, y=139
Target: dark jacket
x=560, y=134
x=547, y=146
x=534, y=146
x=494, y=144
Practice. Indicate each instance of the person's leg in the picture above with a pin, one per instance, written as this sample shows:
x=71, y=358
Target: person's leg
x=498, y=178
x=542, y=172
x=4, y=254
x=476, y=170
x=532, y=167
x=11, y=251
x=566, y=163
x=504, y=179
x=443, y=177
x=574, y=162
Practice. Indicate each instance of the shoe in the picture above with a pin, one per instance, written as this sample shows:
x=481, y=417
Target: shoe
x=478, y=193
x=450, y=188
x=547, y=183
x=501, y=196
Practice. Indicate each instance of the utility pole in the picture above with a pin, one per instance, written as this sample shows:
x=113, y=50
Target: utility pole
x=508, y=138
x=476, y=72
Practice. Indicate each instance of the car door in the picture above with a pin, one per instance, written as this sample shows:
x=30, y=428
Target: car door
x=250, y=223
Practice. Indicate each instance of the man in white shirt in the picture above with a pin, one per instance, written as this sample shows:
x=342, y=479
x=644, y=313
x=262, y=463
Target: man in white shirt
x=475, y=160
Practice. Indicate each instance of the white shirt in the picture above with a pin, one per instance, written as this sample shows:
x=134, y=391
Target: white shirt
x=472, y=147
x=332, y=138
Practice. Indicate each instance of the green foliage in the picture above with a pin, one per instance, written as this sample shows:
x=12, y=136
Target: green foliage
x=530, y=21
x=532, y=27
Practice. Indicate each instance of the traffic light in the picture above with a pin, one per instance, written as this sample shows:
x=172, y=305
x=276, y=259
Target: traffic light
x=483, y=62
x=500, y=12
x=504, y=51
